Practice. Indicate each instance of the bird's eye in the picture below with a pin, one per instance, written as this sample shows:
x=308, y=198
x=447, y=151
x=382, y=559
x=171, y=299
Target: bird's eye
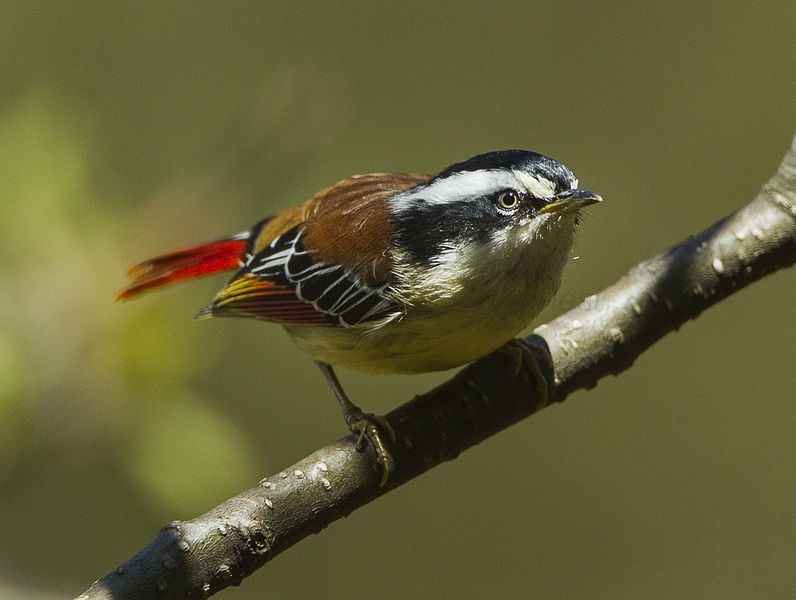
x=508, y=200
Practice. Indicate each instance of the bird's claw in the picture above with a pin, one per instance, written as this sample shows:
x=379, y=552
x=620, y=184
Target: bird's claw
x=525, y=353
x=368, y=427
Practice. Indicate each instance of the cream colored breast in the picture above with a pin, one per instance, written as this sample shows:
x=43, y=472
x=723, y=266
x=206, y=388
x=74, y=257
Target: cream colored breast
x=453, y=315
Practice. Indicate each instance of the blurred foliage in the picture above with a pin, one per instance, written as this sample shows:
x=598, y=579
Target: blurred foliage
x=127, y=130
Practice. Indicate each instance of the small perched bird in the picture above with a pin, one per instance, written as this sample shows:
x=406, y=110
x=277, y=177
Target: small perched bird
x=395, y=272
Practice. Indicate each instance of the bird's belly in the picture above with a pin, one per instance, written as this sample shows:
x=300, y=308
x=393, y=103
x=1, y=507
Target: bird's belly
x=478, y=316
x=416, y=344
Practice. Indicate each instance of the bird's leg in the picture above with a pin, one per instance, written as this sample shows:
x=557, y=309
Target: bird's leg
x=365, y=425
x=525, y=353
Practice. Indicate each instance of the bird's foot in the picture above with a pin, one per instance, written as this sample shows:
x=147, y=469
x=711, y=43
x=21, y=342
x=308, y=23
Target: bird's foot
x=369, y=427
x=526, y=353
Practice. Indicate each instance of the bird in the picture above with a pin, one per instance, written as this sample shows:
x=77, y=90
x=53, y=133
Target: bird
x=397, y=272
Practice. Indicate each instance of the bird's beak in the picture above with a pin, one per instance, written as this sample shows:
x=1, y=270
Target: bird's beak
x=571, y=201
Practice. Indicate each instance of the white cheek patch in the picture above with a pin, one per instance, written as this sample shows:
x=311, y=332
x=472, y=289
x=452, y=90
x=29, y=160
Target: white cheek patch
x=510, y=238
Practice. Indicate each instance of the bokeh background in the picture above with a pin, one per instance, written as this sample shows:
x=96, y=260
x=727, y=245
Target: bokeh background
x=131, y=129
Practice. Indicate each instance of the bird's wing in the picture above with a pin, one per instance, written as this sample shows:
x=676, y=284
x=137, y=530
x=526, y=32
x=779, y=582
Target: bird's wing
x=283, y=283
x=324, y=262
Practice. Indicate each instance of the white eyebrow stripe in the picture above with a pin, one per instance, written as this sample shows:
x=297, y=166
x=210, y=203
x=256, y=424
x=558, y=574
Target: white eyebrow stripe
x=473, y=184
x=540, y=187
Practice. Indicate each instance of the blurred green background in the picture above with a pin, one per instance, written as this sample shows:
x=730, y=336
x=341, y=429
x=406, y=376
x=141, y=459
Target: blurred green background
x=131, y=129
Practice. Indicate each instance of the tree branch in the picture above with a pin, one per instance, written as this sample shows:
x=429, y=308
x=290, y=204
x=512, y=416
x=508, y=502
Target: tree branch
x=604, y=335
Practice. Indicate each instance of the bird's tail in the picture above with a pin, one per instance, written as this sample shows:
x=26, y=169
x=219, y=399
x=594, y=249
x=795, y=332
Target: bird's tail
x=188, y=263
